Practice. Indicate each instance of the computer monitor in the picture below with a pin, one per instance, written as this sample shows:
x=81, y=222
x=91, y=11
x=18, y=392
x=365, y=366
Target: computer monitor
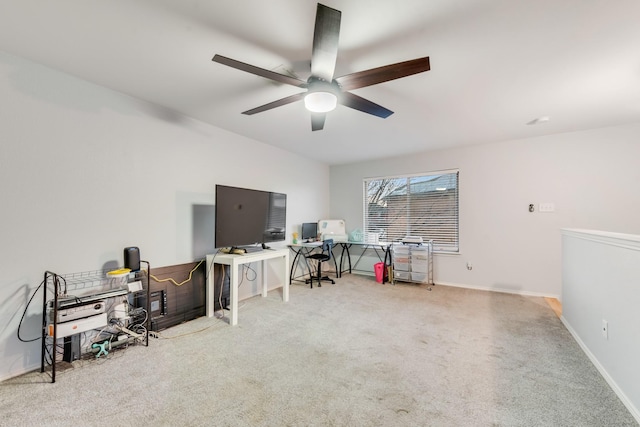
x=309, y=231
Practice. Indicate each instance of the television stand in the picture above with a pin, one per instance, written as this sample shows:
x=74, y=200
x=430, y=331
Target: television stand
x=234, y=262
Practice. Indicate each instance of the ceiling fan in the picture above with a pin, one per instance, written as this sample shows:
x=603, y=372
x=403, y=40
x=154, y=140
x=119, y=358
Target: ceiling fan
x=323, y=92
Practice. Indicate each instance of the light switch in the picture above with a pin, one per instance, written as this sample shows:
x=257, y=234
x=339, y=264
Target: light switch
x=547, y=207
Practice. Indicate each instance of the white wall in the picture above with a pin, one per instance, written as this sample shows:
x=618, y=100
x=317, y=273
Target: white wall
x=590, y=176
x=86, y=172
x=601, y=282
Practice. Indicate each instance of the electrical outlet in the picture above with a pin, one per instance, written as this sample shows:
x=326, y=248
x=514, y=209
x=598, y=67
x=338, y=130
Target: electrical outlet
x=605, y=329
x=547, y=207
x=135, y=286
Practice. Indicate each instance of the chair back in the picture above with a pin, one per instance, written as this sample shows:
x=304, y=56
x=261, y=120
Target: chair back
x=327, y=246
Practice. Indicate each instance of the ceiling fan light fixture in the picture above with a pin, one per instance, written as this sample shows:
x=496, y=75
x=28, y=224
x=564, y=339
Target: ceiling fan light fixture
x=320, y=101
x=324, y=91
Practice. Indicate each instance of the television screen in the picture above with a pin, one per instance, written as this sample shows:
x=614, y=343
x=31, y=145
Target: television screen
x=246, y=217
x=309, y=231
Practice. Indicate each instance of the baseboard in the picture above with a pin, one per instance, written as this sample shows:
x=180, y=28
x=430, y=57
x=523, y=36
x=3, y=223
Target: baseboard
x=502, y=290
x=614, y=386
x=482, y=288
x=555, y=305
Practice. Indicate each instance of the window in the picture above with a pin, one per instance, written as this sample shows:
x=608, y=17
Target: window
x=423, y=205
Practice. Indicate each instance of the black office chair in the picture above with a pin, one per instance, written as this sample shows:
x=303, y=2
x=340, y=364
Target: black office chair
x=320, y=257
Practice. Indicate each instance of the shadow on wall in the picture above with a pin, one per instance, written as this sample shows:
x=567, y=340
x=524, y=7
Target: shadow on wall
x=21, y=321
x=510, y=288
x=59, y=88
x=111, y=265
x=204, y=221
x=23, y=311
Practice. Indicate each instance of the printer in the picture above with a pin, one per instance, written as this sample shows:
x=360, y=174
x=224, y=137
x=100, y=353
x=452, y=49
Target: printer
x=333, y=229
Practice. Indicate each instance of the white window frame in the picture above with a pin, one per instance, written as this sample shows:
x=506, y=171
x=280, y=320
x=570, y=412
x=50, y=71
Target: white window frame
x=424, y=205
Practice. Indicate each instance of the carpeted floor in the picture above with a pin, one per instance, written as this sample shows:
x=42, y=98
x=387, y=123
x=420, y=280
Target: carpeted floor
x=354, y=354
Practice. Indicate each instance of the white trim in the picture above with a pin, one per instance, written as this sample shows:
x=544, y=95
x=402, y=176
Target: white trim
x=614, y=386
x=446, y=232
x=442, y=172
x=617, y=390
x=501, y=290
x=627, y=241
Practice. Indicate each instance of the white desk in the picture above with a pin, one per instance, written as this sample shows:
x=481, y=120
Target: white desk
x=234, y=262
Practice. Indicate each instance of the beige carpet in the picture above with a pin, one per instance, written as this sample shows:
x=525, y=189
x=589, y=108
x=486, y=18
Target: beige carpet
x=354, y=354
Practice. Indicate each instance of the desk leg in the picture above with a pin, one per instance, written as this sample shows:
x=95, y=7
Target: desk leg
x=264, y=278
x=210, y=291
x=287, y=279
x=293, y=264
x=234, y=294
x=345, y=248
x=293, y=269
x=306, y=254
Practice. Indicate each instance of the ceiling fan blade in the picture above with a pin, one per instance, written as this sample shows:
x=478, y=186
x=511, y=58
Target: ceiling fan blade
x=317, y=121
x=274, y=104
x=383, y=74
x=325, y=42
x=358, y=103
x=272, y=75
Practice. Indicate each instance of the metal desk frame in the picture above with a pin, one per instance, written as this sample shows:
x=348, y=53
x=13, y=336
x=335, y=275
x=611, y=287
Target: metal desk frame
x=381, y=249
x=303, y=250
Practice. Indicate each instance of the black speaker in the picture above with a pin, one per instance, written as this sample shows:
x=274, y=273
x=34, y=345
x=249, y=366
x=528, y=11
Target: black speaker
x=132, y=258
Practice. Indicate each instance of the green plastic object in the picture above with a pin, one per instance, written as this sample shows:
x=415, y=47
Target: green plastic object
x=356, y=236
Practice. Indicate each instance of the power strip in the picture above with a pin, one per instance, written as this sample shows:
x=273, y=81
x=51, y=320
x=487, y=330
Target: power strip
x=80, y=325
x=130, y=332
x=135, y=286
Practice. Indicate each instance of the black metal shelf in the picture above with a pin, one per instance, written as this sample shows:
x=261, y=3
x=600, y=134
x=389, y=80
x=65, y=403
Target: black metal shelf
x=75, y=294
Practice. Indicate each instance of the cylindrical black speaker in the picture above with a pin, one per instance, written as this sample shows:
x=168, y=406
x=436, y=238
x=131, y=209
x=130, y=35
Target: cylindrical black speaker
x=132, y=258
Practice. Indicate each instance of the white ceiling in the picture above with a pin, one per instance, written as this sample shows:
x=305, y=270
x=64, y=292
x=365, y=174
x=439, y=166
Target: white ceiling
x=495, y=65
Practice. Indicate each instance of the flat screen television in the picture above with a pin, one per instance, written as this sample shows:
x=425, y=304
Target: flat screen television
x=247, y=217
x=309, y=231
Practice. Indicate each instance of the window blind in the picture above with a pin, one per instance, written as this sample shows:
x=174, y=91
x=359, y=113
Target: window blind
x=423, y=205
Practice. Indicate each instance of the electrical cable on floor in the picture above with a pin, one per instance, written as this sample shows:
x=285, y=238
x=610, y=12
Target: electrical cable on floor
x=96, y=338
x=159, y=335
